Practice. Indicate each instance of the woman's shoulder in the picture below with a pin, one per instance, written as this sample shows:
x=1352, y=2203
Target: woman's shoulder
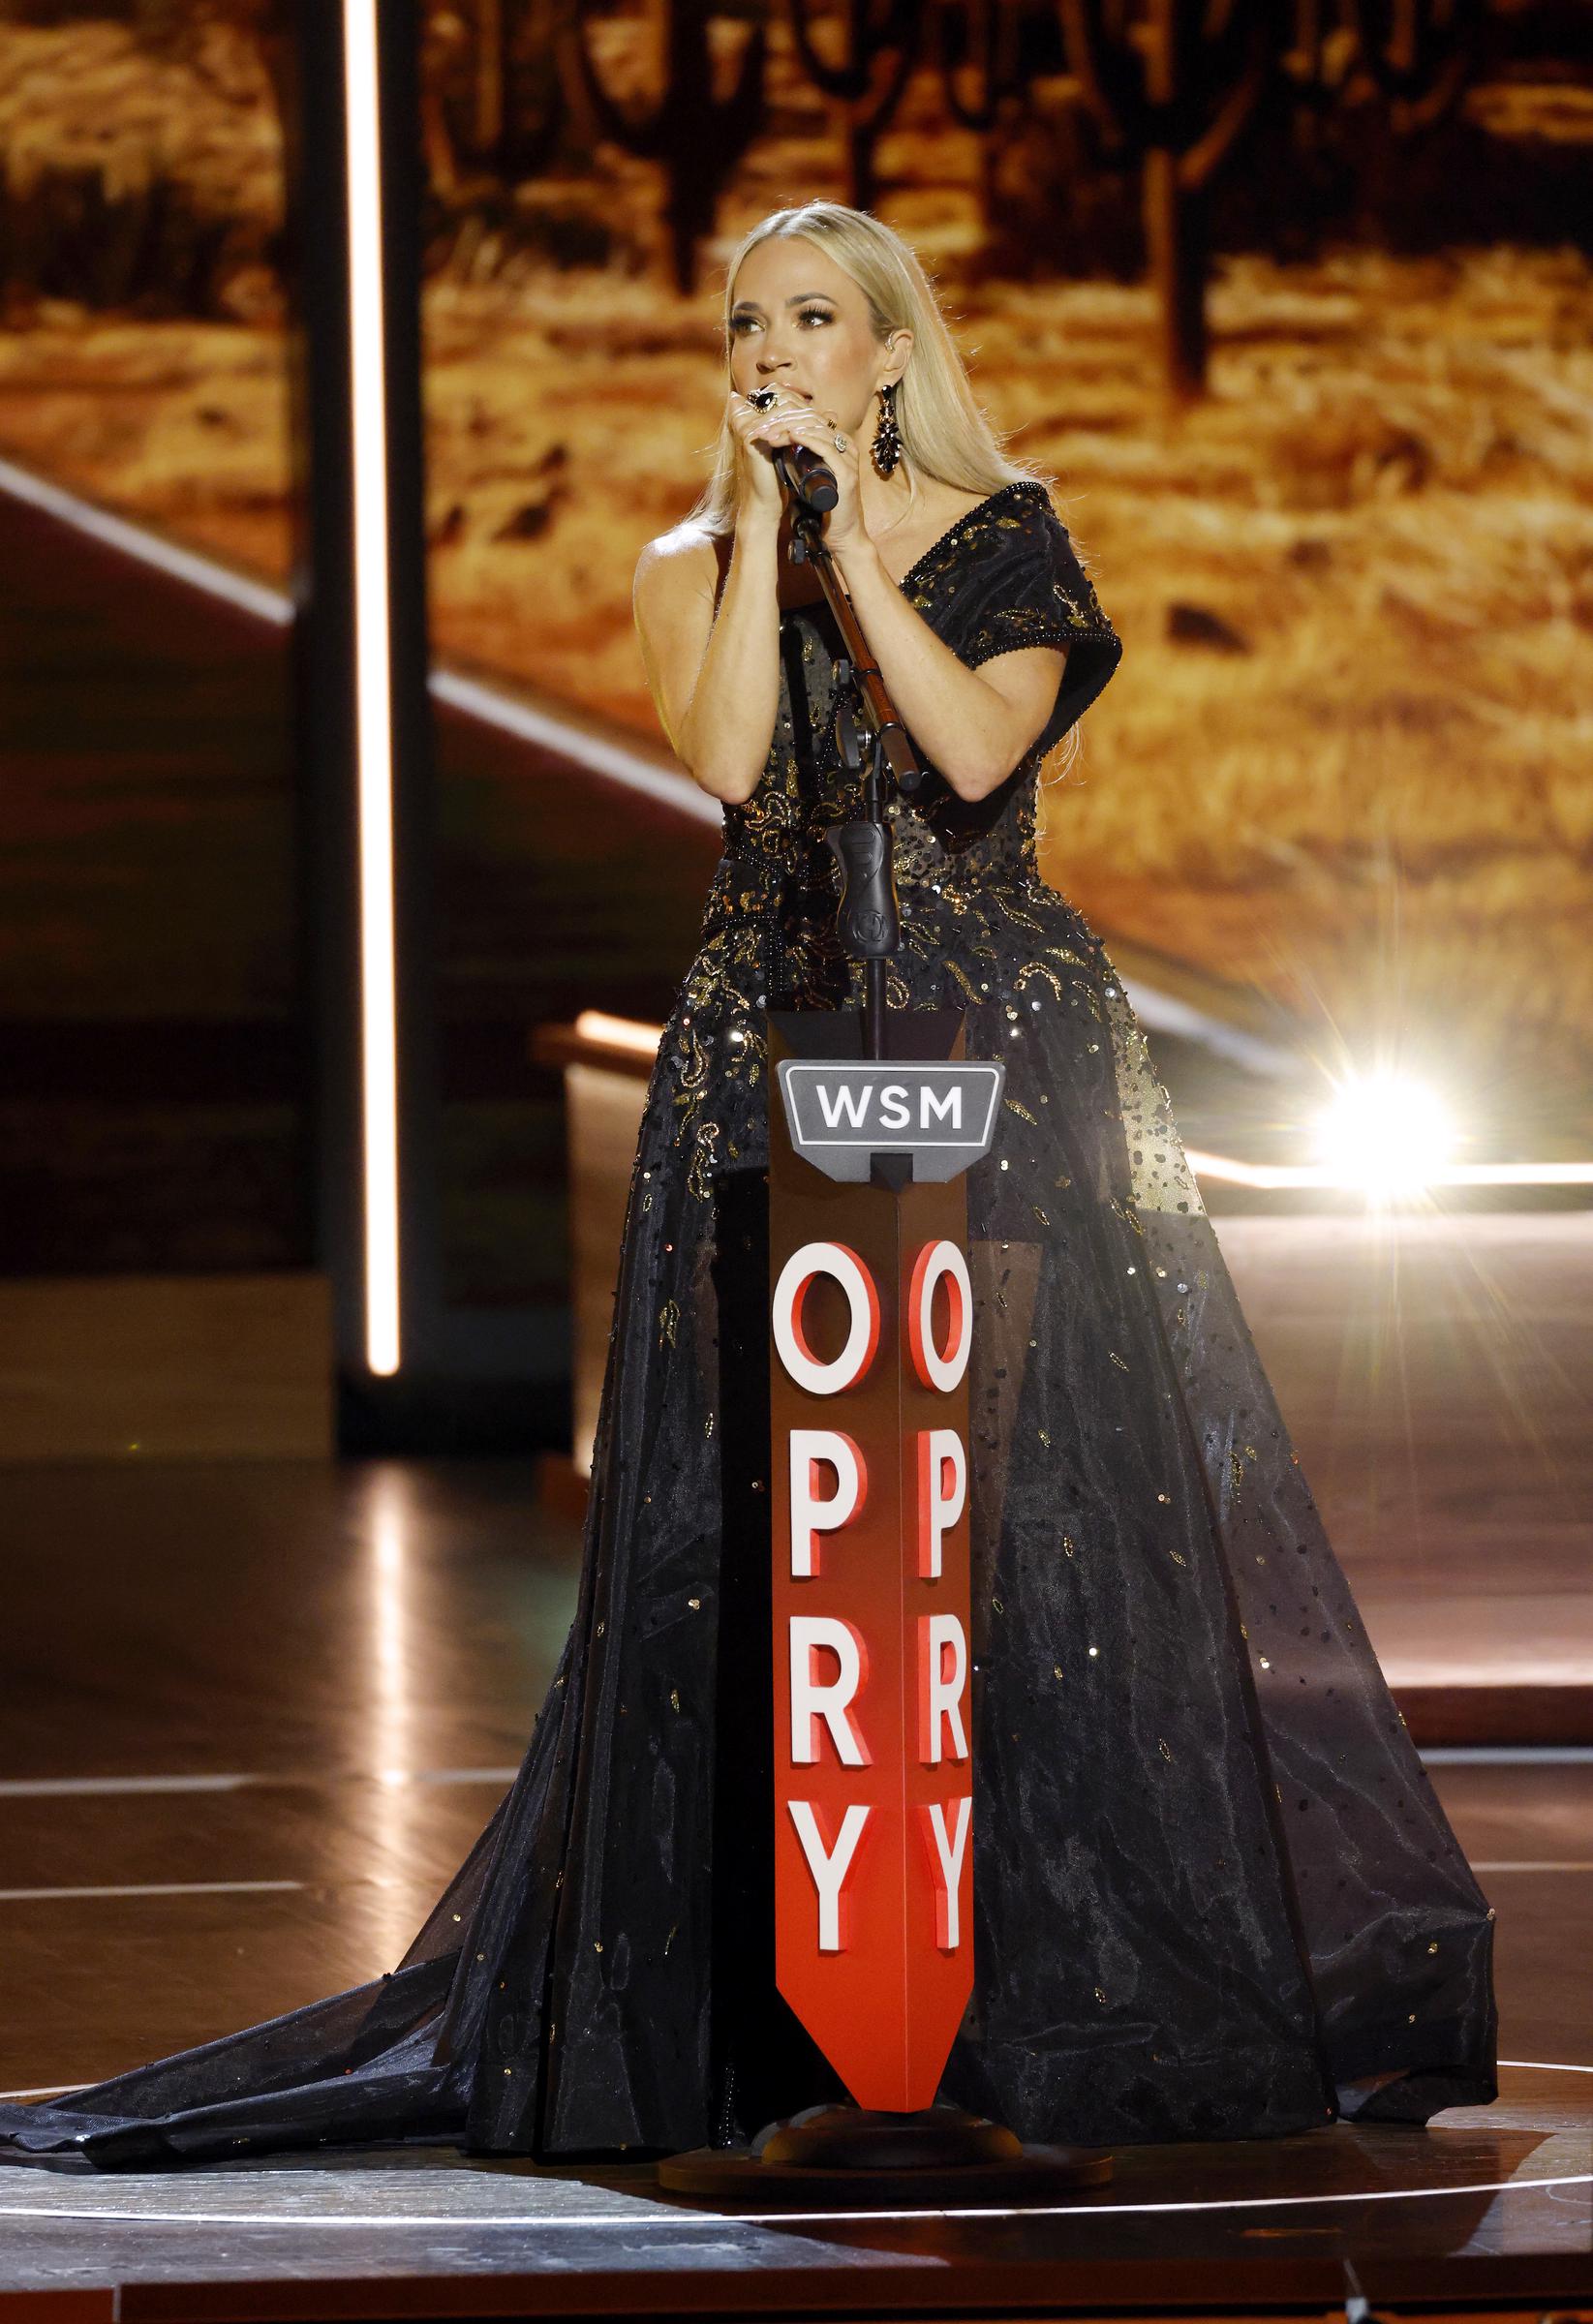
x=1024, y=505
x=685, y=557
x=974, y=533
x=1024, y=516
x=1008, y=573
x=675, y=587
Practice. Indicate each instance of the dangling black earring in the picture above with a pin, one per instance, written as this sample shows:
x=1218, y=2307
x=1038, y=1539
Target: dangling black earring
x=886, y=447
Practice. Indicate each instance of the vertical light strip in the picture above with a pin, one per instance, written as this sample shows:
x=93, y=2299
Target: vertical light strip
x=373, y=696
x=389, y=1835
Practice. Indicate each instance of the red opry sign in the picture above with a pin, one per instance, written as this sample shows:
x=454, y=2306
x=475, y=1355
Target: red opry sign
x=871, y=1325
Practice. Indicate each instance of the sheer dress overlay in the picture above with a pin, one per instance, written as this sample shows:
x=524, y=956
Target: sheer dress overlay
x=1215, y=1896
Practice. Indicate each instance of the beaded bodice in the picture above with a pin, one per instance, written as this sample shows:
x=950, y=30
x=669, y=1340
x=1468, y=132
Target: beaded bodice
x=1003, y=577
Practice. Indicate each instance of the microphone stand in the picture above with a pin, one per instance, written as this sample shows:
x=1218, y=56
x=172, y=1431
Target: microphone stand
x=868, y=918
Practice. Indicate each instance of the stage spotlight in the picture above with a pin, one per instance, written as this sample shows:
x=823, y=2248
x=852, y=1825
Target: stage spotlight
x=1386, y=1134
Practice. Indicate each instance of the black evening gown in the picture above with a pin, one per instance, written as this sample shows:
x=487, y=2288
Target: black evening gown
x=1215, y=1896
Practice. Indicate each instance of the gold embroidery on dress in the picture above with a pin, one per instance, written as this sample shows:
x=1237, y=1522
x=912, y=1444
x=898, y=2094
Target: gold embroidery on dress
x=1037, y=968
x=697, y=1175
x=967, y=871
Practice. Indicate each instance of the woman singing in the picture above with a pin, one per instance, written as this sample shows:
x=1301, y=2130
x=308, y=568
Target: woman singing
x=1216, y=1897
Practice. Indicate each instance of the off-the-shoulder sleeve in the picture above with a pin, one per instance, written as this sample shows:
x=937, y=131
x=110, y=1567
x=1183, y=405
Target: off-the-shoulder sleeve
x=1030, y=590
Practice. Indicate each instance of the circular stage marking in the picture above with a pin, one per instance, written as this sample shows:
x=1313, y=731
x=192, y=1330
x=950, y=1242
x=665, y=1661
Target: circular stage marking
x=669, y=2216
x=783, y=2217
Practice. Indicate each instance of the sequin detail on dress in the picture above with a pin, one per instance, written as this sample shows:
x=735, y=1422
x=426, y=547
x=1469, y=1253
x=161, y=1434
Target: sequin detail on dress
x=1215, y=1896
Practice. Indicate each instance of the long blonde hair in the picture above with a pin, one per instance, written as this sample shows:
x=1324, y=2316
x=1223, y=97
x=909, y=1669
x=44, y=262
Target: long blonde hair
x=944, y=433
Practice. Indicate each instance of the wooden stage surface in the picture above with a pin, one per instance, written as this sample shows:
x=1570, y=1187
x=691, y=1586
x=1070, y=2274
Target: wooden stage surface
x=252, y=1715
x=1491, y=2205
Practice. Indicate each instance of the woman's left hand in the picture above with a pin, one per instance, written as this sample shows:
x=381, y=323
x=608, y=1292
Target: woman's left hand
x=842, y=454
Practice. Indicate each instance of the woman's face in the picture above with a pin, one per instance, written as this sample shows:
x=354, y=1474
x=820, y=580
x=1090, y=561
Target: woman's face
x=797, y=320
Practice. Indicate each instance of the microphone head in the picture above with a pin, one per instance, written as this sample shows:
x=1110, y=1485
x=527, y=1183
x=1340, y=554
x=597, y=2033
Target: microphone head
x=802, y=471
x=816, y=479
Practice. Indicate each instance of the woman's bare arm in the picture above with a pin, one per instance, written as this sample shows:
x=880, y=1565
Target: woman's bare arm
x=715, y=678
x=717, y=681
x=972, y=725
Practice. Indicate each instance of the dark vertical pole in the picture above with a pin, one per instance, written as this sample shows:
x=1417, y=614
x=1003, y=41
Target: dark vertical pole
x=374, y=1408
x=315, y=265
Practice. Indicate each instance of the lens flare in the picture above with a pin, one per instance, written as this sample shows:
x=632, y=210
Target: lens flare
x=1384, y=1133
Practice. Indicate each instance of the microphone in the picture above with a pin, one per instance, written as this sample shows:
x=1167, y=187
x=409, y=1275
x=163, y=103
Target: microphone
x=805, y=474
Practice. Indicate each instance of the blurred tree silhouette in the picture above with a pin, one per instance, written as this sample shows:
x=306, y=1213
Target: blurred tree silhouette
x=1173, y=84
x=878, y=47
x=694, y=132
x=1105, y=134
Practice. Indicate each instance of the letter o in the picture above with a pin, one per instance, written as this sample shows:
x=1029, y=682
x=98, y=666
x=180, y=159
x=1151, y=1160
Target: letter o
x=844, y=1267
x=935, y=1366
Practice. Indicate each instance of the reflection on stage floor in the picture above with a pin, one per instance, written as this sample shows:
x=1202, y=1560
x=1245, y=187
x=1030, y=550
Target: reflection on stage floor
x=253, y=1717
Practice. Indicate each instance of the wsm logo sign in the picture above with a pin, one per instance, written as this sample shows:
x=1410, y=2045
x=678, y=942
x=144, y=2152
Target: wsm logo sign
x=841, y=1111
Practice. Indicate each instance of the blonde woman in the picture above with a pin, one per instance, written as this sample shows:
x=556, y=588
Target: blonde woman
x=1214, y=1895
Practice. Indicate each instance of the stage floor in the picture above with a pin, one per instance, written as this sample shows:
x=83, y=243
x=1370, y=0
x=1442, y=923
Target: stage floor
x=1436, y=1375
x=1487, y=2203
x=253, y=1716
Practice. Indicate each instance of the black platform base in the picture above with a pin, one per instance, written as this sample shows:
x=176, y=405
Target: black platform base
x=846, y=2155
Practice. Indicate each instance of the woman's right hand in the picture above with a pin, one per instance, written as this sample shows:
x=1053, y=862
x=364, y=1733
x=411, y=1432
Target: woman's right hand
x=758, y=488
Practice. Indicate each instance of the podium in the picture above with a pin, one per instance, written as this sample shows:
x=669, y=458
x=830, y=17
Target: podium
x=871, y=1331
x=872, y=1800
